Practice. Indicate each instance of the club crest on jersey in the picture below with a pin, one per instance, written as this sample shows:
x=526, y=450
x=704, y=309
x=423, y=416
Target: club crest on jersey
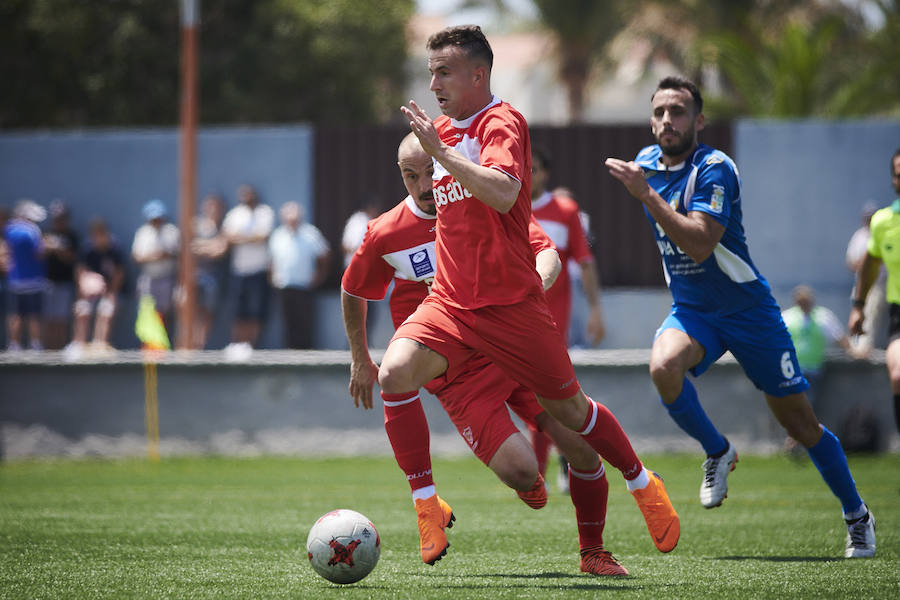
x=714, y=160
x=717, y=199
x=421, y=263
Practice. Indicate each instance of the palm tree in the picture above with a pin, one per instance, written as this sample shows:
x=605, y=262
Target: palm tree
x=582, y=29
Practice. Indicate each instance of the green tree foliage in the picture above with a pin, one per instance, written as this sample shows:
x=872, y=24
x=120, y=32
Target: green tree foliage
x=73, y=63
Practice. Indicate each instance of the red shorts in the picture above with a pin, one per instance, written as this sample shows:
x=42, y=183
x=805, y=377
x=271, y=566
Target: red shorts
x=521, y=339
x=476, y=401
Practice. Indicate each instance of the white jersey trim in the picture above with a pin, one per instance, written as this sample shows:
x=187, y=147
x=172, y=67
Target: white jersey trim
x=541, y=202
x=414, y=208
x=361, y=297
x=732, y=265
x=466, y=123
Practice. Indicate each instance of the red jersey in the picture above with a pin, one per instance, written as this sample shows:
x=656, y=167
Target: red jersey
x=483, y=256
x=399, y=246
x=558, y=215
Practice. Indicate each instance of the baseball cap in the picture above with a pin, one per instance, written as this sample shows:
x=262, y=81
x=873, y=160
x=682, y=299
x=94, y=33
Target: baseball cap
x=154, y=209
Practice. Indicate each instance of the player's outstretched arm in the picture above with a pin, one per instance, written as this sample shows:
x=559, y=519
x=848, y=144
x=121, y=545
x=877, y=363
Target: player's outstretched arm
x=492, y=187
x=696, y=233
x=363, y=370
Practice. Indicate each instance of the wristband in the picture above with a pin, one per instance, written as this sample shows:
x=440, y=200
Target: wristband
x=857, y=303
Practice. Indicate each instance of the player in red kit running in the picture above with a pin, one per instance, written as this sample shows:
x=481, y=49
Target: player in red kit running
x=399, y=246
x=487, y=297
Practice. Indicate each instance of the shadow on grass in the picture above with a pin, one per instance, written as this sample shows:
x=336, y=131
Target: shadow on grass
x=779, y=559
x=574, y=581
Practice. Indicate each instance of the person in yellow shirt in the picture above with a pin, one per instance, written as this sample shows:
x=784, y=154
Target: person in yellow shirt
x=884, y=248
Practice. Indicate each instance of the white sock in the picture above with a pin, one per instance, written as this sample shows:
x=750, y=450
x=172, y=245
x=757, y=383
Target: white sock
x=857, y=514
x=423, y=493
x=639, y=482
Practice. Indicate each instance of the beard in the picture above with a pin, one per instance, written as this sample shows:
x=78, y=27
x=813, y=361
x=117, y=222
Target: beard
x=678, y=146
x=428, y=201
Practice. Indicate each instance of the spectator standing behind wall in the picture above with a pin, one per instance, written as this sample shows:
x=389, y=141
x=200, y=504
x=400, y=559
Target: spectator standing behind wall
x=247, y=227
x=61, y=254
x=355, y=230
x=209, y=248
x=155, y=249
x=27, y=278
x=300, y=259
x=875, y=309
x=4, y=269
x=99, y=276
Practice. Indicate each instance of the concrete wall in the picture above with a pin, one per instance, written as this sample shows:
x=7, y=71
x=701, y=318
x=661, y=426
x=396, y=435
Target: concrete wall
x=296, y=402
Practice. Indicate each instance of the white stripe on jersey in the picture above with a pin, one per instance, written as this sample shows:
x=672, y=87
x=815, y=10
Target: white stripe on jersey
x=689, y=187
x=404, y=260
x=557, y=232
x=732, y=265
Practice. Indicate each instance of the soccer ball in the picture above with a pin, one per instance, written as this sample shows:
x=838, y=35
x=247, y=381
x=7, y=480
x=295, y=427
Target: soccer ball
x=343, y=546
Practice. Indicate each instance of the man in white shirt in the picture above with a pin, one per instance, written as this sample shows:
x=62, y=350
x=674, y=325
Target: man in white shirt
x=154, y=249
x=300, y=260
x=247, y=227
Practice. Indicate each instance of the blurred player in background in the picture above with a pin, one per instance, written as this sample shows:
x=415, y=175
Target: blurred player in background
x=691, y=195
x=558, y=216
x=399, y=247
x=813, y=329
x=486, y=297
x=883, y=248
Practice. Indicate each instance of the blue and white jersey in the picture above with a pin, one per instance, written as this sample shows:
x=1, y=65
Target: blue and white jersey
x=708, y=181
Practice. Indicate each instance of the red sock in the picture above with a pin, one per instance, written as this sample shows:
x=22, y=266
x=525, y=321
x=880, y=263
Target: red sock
x=541, y=443
x=603, y=432
x=589, y=492
x=407, y=430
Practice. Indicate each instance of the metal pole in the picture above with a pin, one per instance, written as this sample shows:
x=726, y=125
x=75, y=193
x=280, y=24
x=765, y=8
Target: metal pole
x=187, y=171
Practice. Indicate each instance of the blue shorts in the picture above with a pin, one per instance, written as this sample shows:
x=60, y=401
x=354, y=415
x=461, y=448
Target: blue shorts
x=27, y=304
x=252, y=296
x=758, y=339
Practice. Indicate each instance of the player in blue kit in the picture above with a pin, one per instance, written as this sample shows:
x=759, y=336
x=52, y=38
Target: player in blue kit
x=691, y=194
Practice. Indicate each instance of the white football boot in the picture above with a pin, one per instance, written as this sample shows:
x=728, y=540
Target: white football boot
x=714, y=488
x=861, y=537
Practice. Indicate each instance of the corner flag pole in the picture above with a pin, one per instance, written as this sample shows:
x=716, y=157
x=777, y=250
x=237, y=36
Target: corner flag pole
x=187, y=184
x=151, y=411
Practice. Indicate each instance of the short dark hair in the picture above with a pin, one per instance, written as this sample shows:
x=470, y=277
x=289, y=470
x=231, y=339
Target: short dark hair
x=674, y=82
x=469, y=38
x=543, y=156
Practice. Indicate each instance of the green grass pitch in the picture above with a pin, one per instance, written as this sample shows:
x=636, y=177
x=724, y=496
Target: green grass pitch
x=236, y=528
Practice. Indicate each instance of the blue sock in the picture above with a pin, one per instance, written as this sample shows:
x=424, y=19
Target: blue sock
x=830, y=460
x=690, y=416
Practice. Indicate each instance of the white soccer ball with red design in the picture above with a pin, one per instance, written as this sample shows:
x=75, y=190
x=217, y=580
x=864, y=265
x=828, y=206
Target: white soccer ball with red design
x=343, y=546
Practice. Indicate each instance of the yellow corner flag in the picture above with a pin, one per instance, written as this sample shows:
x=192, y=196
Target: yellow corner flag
x=149, y=326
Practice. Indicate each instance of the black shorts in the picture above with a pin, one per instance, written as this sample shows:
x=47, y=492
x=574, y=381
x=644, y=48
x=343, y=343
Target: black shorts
x=893, y=322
